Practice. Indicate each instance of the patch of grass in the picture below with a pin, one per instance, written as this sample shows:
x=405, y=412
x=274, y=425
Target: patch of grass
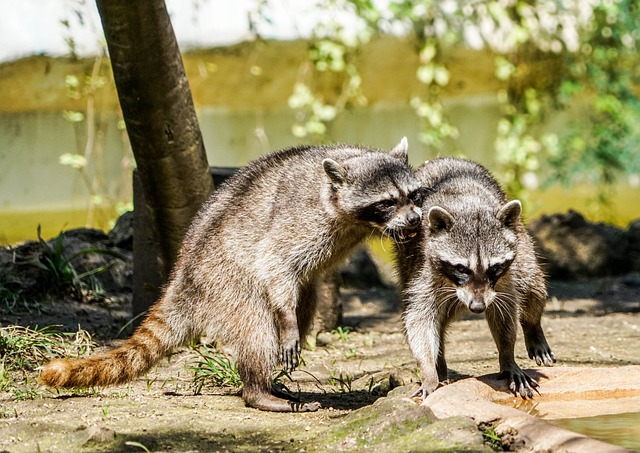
x=7, y=412
x=215, y=369
x=62, y=277
x=342, y=332
x=490, y=437
x=23, y=350
x=342, y=382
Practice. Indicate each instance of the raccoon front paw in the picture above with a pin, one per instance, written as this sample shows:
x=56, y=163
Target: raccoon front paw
x=520, y=383
x=290, y=355
x=542, y=354
x=426, y=390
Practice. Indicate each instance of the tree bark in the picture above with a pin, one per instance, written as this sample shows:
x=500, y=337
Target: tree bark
x=160, y=117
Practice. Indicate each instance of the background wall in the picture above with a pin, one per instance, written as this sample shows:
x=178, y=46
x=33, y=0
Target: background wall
x=241, y=93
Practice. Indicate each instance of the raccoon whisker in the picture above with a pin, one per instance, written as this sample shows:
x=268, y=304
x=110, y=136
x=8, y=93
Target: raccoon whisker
x=446, y=289
x=499, y=307
x=508, y=297
x=381, y=239
x=448, y=299
x=502, y=304
x=453, y=308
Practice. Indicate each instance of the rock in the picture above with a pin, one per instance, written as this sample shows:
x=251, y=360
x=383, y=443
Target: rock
x=122, y=232
x=570, y=247
x=37, y=268
x=360, y=272
x=396, y=423
x=97, y=435
x=633, y=235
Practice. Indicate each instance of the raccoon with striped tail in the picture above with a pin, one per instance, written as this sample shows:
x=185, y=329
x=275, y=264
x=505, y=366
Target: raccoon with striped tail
x=472, y=253
x=247, y=270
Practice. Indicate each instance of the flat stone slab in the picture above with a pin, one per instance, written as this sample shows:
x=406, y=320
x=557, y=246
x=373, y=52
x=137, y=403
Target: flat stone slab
x=565, y=392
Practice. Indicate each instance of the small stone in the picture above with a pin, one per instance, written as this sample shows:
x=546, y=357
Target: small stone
x=98, y=434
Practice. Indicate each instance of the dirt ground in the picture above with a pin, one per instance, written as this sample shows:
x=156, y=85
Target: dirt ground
x=591, y=323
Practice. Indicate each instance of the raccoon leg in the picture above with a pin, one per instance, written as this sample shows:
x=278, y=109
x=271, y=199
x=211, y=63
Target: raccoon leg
x=532, y=291
x=534, y=339
x=257, y=356
x=289, y=335
x=441, y=363
x=256, y=395
x=503, y=325
x=424, y=338
x=283, y=298
x=306, y=309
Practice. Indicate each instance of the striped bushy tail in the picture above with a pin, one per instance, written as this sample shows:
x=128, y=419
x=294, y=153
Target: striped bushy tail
x=151, y=342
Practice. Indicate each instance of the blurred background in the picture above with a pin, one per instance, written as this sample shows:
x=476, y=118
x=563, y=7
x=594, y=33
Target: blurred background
x=545, y=94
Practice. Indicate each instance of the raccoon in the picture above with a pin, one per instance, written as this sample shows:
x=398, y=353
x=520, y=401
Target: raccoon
x=248, y=269
x=472, y=253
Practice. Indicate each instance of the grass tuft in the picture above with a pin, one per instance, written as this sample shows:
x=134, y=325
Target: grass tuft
x=215, y=369
x=23, y=350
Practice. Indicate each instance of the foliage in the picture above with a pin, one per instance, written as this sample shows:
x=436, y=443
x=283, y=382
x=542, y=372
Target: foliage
x=331, y=62
x=215, y=369
x=24, y=349
x=490, y=437
x=90, y=124
x=546, y=54
x=60, y=274
x=603, y=70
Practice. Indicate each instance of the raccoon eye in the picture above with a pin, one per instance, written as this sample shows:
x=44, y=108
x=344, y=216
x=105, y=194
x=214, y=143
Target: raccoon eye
x=385, y=204
x=459, y=274
x=417, y=196
x=496, y=271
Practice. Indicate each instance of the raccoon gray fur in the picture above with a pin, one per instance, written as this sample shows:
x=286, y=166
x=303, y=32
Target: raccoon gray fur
x=472, y=252
x=247, y=270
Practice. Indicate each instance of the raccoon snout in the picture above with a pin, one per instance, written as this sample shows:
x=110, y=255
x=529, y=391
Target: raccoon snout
x=477, y=306
x=413, y=218
x=476, y=303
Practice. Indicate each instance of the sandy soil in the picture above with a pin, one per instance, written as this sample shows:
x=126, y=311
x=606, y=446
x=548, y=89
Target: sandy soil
x=594, y=323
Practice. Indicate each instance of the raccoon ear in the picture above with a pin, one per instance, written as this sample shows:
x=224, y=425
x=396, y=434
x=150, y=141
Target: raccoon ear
x=509, y=214
x=400, y=150
x=336, y=172
x=439, y=219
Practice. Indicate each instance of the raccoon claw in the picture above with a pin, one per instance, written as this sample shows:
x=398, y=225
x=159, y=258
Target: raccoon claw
x=304, y=407
x=520, y=383
x=542, y=356
x=290, y=356
x=425, y=390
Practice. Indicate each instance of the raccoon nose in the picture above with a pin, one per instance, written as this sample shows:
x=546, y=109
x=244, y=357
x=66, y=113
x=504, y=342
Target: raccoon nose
x=477, y=306
x=413, y=218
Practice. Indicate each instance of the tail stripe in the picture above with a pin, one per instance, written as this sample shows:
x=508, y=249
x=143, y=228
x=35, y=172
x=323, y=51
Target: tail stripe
x=151, y=341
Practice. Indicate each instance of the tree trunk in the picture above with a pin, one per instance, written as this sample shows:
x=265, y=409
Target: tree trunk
x=160, y=118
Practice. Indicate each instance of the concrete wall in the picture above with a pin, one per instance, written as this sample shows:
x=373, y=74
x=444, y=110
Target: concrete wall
x=241, y=95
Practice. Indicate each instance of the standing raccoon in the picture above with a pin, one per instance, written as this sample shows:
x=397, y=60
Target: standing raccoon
x=474, y=253
x=247, y=270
